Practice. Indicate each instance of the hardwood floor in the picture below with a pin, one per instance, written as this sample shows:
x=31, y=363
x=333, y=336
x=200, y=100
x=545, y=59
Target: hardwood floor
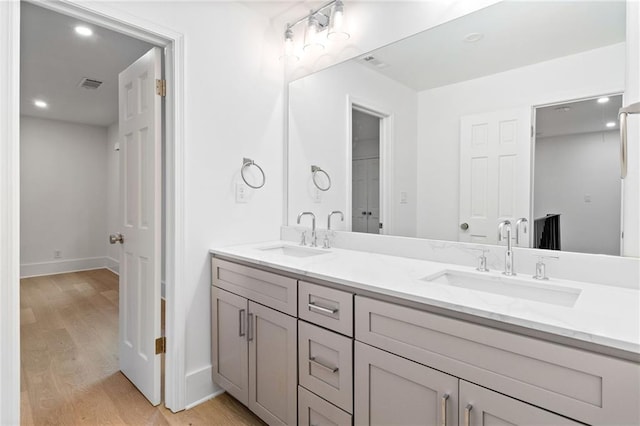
x=69, y=360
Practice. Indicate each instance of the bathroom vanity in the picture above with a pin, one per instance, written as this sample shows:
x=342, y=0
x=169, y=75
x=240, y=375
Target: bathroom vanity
x=310, y=336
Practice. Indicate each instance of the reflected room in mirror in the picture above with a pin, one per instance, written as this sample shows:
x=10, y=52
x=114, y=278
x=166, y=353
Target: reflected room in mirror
x=445, y=134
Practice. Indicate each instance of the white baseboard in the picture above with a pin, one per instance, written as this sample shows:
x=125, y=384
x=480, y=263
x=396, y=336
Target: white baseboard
x=113, y=265
x=200, y=387
x=61, y=266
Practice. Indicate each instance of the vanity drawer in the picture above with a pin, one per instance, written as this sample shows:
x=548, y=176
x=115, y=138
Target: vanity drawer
x=266, y=288
x=325, y=363
x=589, y=387
x=313, y=410
x=327, y=307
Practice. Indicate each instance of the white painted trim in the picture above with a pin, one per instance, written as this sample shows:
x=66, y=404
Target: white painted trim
x=199, y=386
x=9, y=212
x=386, y=160
x=102, y=14
x=63, y=266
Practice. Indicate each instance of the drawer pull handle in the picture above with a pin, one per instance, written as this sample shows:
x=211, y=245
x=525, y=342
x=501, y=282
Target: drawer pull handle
x=250, y=327
x=241, y=332
x=443, y=409
x=322, y=309
x=467, y=415
x=312, y=359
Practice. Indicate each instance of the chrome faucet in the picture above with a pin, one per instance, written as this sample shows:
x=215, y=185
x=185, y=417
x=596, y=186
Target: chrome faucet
x=508, y=256
x=313, y=227
x=327, y=243
x=520, y=222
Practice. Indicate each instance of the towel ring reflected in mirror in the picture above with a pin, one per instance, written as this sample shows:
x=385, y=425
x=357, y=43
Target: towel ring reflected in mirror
x=246, y=163
x=315, y=170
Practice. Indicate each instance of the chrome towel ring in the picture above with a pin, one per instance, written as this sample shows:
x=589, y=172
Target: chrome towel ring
x=246, y=163
x=315, y=170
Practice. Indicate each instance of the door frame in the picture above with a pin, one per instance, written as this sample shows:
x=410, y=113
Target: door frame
x=173, y=42
x=534, y=138
x=386, y=160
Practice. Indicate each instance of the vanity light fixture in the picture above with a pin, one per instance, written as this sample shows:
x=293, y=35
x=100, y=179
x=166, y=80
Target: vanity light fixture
x=289, y=47
x=40, y=103
x=603, y=100
x=325, y=22
x=336, y=22
x=84, y=31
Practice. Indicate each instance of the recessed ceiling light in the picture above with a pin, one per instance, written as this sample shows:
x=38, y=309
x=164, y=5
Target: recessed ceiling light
x=473, y=37
x=603, y=100
x=563, y=108
x=84, y=31
x=40, y=103
x=611, y=124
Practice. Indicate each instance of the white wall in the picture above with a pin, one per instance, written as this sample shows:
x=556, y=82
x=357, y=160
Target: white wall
x=590, y=73
x=63, y=201
x=113, y=193
x=319, y=135
x=568, y=169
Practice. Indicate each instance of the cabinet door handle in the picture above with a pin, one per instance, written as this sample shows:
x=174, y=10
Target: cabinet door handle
x=467, y=415
x=241, y=331
x=443, y=408
x=312, y=359
x=322, y=309
x=250, y=327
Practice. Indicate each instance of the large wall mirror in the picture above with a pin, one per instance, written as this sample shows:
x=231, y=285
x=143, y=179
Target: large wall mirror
x=508, y=113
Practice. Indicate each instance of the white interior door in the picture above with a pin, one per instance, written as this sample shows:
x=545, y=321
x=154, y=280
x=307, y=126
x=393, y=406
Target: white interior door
x=495, y=173
x=365, y=195
x=140, y=197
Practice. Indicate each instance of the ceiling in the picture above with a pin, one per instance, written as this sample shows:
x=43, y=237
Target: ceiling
x=54, y=59
x=514, y=34
x=578, y=117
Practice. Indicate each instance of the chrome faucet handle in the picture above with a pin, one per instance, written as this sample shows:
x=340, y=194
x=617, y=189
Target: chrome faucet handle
x=541, y=268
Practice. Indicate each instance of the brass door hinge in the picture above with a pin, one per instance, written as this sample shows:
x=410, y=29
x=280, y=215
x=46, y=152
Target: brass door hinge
x=161, y=345
x=161, y=87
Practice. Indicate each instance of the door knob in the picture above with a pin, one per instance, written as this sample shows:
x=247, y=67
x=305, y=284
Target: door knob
x=116, y=238
x=364, y=213
x=464, y=226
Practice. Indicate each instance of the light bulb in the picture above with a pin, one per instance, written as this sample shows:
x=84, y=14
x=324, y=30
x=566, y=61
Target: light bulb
x=84, y=31
x=289, y=52
x=312, y=37
x=40, y=103
x=336, y=22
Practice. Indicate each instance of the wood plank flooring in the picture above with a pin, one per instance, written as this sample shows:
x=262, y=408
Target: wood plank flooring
x=69, y=360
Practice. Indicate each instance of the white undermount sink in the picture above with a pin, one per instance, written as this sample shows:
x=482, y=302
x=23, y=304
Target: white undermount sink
x=508, y=286
x=294, y=251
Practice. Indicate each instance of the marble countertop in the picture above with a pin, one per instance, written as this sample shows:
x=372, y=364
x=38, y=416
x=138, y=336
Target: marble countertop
x=603, y=315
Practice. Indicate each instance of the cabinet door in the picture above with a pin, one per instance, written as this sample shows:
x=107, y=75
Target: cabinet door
x=480, y=406
x=229, y=350
x=390, y=390
x=272, y=365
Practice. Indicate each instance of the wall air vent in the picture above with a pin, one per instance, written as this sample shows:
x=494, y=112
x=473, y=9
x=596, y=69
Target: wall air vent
x=89, y=83
x=374, y=62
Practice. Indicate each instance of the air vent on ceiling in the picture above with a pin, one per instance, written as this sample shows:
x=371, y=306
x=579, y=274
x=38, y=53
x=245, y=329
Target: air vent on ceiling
x=374, y=62
x=89, y=83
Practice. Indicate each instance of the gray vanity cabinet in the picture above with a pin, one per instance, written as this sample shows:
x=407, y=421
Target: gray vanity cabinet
x=254, y=347
x=390, y=390
x=483, y=407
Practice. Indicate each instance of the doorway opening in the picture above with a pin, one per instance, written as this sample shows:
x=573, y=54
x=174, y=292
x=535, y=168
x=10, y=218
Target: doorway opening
x=366, y=133
x=70, y=158
x=576, y=176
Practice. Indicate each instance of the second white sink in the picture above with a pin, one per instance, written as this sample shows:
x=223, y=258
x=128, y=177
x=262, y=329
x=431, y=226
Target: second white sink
x=508, y=286
x=294, y=251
